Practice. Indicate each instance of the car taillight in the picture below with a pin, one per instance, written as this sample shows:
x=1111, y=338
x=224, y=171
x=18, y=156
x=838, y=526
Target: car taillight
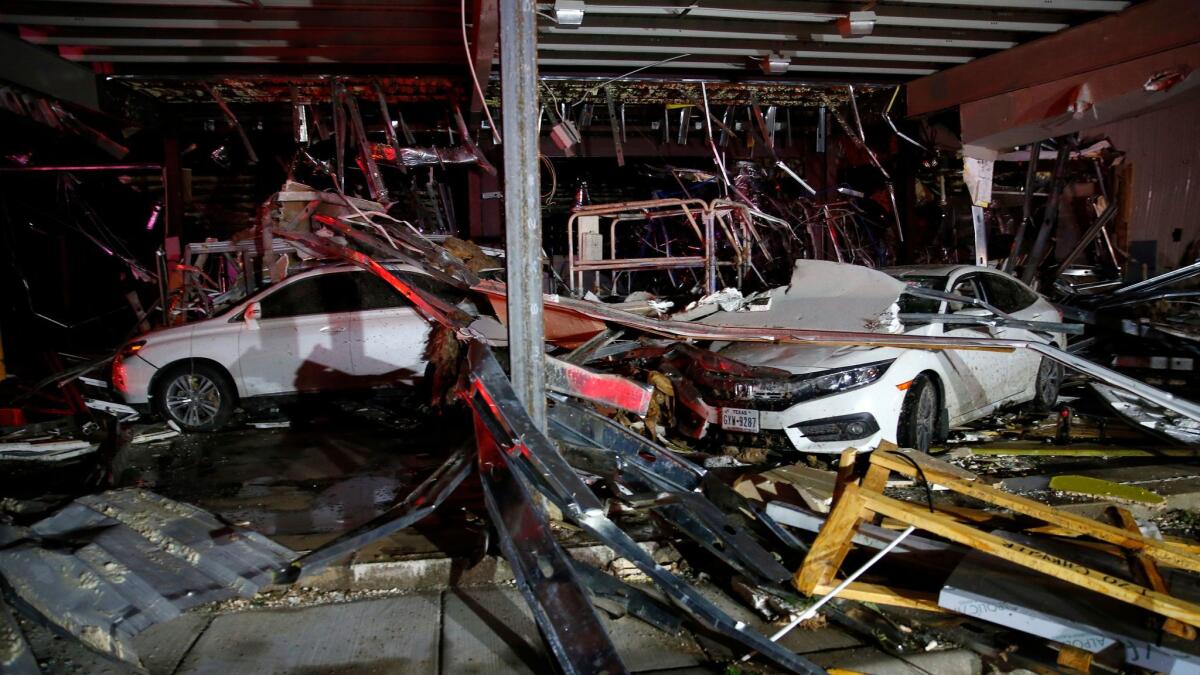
x=119, y=380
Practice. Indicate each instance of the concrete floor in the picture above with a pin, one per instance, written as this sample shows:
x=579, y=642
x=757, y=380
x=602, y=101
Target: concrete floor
x=338, y=466
x=482, y=631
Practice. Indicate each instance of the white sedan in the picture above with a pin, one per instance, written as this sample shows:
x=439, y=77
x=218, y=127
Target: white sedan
x=329, y=328
x=826, y=399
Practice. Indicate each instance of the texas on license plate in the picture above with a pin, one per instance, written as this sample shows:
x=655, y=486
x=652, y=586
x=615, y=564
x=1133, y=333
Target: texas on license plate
x=739, y=419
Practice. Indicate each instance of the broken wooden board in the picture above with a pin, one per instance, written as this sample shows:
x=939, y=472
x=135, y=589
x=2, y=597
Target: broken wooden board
x=1162, y=553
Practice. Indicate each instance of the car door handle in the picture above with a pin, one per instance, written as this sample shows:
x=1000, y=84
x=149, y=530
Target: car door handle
x=333, y=329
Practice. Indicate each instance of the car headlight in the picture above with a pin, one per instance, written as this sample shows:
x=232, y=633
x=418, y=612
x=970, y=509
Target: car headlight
x=847, y=378
x=772, y=393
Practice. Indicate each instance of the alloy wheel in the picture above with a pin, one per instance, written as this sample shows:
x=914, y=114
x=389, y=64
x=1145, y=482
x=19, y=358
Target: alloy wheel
x=193, y=399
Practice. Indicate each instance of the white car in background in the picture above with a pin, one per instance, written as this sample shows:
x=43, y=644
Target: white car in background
x=330, y=328
x=826, y=399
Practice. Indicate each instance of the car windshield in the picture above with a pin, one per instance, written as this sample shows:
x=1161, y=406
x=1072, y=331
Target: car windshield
x=910, y=304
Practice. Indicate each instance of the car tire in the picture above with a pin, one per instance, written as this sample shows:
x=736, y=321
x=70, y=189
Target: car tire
x=919, y=415
x=1046, y=386
x=195, y=396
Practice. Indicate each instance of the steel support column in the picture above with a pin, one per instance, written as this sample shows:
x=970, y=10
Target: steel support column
x=172, y=180
x=522, y=207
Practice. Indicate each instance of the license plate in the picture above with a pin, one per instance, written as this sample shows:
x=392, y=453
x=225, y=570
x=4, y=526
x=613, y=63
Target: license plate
x=739, y=419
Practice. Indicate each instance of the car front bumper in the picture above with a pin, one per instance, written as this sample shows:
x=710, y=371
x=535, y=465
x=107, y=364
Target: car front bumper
x=861, y=418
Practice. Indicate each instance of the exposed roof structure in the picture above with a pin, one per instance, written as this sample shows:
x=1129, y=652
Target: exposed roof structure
x=716, y=38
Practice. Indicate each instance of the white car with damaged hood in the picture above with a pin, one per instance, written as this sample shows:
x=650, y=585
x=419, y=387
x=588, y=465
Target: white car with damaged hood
x=826, y=399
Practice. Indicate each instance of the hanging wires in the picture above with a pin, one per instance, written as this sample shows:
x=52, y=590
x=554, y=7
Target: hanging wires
x=596, y=89
x=475, y=78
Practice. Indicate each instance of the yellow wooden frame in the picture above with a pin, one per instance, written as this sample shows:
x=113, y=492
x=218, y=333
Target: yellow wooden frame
x=856, y=503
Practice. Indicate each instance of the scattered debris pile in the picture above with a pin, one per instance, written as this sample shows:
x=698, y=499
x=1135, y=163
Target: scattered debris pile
x=151, y=558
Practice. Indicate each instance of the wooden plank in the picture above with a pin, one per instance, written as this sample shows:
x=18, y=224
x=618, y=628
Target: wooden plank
x=1150, y=571
x=1034, y=559
x=828, y=550
x=1162, y=553
x=875, y=481
x=884, y=595
x=1144, y=29
x=845, y=473
x=927, y=462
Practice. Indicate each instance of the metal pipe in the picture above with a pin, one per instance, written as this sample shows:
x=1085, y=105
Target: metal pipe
x=1042, y=243
x=522, y=205
x=1026, y=209
x=1085, y=240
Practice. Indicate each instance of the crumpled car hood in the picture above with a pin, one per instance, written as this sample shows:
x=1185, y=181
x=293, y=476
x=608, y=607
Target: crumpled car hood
x=823, y=295
x=804, y=359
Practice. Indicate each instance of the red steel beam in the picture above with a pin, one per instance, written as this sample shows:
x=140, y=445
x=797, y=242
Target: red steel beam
x=1142, y=30
x=1080, y=102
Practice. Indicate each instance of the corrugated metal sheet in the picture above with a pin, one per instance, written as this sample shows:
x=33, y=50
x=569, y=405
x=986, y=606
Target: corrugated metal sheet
x=1163, y=148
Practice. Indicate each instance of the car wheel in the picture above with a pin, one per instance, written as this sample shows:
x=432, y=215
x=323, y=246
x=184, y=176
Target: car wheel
x=1049, y=379
x=919, y=415
x=196, y=396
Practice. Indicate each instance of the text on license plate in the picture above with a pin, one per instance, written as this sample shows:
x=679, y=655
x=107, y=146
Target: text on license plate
x=739, y=419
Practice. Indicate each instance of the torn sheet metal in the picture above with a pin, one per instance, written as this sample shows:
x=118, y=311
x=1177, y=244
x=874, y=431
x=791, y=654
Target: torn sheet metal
x=232, y=119
x=986, y=588
x=1152, y=418
x=1153, y=283
x=299, y=118
x=366, y=159
x=609, y=591
x=543, y=572
x=45, y=451
x=16, y=657
x=605, y=389
x=578, y=425
x=685, y=331
x=860, y=140
x=994, y=321
x=496, y=407
x=708, y=526
x=469, y=143
x=108, y=566
x=818, y=296
x=389, y=129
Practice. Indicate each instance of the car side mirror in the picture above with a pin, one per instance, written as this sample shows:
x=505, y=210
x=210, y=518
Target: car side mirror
x=252, y=314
